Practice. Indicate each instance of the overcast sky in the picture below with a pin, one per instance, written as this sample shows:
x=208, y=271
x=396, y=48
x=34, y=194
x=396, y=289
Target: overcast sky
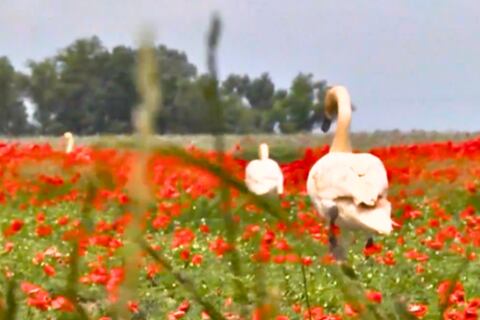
x=407, y=63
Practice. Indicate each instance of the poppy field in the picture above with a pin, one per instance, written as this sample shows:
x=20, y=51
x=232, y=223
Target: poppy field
x=85, y=236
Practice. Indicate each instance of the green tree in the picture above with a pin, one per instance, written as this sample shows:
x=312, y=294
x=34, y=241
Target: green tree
x=236, y=84
x=316, y=116
x=239, y=117
x=88, y=89
x=191, y=109
x=260, y=92
x=298, y=105
x=174, y=70
x=13, y=116
x=278, y=113
x=119, y=94
x=43, y=90
x=81, y=86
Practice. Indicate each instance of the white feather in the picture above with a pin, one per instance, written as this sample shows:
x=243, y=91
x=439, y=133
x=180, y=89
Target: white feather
x=356, y=184
x=263, y=176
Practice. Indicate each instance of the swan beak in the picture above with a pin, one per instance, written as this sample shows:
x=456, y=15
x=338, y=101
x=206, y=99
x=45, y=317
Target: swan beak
x=326, y=123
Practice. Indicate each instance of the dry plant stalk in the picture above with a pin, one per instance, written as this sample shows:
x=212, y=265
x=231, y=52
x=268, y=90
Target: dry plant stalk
x=140, y=193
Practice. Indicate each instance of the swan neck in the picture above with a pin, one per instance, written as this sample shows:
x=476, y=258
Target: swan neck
x=69, y=145
x=341, y=139
x=263, y=151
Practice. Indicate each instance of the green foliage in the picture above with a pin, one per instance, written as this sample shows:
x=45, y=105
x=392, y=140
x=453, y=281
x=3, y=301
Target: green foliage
x=301, y=108
x=260, y=92
x=13, y=118
x=89, y=89
x=43, y=86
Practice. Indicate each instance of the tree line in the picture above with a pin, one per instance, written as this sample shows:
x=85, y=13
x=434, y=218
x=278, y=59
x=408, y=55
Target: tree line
x=88, y=89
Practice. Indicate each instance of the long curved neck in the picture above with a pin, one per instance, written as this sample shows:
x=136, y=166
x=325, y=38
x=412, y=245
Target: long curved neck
x=341, y=99
x=69, y=145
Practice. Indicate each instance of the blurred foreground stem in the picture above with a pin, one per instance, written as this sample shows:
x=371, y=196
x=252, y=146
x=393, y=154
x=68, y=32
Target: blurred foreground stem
x=217, y=116
x=149, y=91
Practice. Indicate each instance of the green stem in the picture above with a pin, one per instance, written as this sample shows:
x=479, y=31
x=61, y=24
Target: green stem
x=183, y=280
x=305, y=290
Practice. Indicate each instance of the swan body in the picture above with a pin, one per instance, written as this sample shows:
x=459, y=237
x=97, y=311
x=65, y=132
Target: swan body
x=264, y=175
x=349, y=189
x=357, y=184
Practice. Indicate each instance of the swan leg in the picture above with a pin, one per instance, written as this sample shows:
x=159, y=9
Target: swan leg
x=369, y=242
x=335, y=248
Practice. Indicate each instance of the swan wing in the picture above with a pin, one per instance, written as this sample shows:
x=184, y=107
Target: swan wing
x=261, y=176
x=368, y=178
x=357, y=184
x=361, y=177
x=374, y=219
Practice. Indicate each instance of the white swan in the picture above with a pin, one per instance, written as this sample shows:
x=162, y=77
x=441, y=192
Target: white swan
x=68, y=136
x=348, y=189
x=264, y=175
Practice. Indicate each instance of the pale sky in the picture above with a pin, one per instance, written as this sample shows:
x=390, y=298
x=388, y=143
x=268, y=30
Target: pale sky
x=408, y=64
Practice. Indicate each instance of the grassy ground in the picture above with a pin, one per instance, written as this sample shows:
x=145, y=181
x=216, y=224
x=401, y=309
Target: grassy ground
x=283, y=147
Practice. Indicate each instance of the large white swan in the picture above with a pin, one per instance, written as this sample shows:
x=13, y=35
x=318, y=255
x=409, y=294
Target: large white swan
x=348, y=189
x=68, y=136
x=264, y=175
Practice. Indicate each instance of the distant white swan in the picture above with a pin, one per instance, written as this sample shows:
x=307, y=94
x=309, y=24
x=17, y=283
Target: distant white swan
x=348, y=189
x=68, y=136
x=264, y=175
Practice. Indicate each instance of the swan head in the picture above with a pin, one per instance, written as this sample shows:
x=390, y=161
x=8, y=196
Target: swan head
x=263, y=151
x=68, y=135
x=330, y=110
x=326, y=123
x=335, y=95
